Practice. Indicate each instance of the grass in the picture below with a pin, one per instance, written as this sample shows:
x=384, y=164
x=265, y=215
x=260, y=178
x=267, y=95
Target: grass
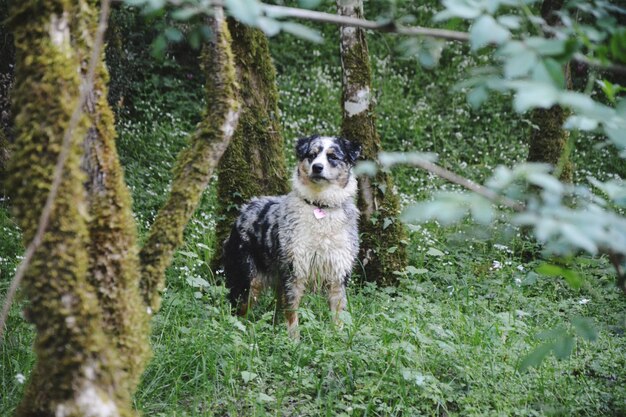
x=448, y=341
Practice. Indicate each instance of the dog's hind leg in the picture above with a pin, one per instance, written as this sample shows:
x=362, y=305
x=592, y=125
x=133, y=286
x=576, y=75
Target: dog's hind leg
x=256, y=286
x=240, y=271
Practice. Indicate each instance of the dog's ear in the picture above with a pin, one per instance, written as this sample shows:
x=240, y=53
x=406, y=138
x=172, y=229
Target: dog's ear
x=352, y=149
x=302, y=146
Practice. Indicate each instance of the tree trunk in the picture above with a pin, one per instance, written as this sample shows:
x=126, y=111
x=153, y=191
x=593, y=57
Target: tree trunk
x=548, y=140
x=7, y=52
x=75, y=373
x=195, y=164
x=113, y=252
x=254, y=163
x=383, y=237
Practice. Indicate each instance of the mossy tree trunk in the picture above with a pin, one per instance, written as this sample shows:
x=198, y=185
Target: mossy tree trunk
x=84, y=281
x=383, y=247
x=548, y=140
x=253, y=164
x=7, y=62
x=76, y=372
x=113, y=251
x=196, y=164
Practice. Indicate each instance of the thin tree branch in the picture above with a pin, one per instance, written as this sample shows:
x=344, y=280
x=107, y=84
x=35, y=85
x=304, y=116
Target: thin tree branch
x=389, y=26
x=44, y=218
x=444, y=173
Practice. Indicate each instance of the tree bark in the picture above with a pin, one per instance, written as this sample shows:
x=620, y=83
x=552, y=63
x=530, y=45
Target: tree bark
x=253, y=164
x=113, y=251
x=383, y=248
x=7, y=63
x=76, y=369
x=195, y=165
x=548, y=140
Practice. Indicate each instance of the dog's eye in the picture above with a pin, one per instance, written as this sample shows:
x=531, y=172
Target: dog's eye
x=332, y=157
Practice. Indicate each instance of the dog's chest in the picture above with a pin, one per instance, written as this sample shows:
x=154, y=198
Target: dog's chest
x=321, y=241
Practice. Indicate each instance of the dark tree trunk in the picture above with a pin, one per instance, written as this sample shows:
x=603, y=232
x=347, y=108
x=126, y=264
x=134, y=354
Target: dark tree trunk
x=112, y=249
x=548, y=140
x=382, y=236
x=76, y=369
x=7, y=63
x=253, y=164
x=195, y=164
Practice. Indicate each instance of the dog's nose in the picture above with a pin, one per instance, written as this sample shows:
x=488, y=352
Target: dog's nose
x=317, y=168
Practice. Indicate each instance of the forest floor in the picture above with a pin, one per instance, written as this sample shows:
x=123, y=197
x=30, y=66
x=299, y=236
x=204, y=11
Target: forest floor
x=449, y=340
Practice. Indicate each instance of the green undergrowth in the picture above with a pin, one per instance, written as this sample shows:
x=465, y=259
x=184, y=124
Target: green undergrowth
x=448, y=341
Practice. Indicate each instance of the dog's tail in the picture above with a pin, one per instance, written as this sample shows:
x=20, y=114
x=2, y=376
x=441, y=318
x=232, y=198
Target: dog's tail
x=238, y=268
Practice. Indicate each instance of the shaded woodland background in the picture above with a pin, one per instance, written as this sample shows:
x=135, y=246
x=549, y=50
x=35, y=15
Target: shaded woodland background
x=447, y=340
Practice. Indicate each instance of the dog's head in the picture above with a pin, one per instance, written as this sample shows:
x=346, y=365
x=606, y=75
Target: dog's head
x=326, y=159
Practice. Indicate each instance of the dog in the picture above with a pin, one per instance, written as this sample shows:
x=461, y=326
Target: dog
x=311, y=234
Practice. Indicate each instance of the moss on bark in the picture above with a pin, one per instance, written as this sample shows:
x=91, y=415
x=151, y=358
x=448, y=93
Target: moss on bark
x=383, y=247
x=113, y=252
x=75, y=371
x=548, y=140
x=253, y=164
x=195, y=165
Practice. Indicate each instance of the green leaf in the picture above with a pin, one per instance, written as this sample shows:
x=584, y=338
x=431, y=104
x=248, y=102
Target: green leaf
x=246, y=11
x=411, y=270
x=578, y=237
x=520, y=64
x=269, y=26
x=345, y=317
x=156, y=4
x=550, y=71
x=173, y=34
x=547, y=47
x=434, y=252
x=368, y=168
x=159, y=45
x=531, y=95
x=264, y=398
x=617, y=136
x=446, y=212
x=534, y=358
x=618, y=45
x=185, y=13
x=563, y=346
x=302, y=31
x=585, y=328
x=487, y=31
x=430, y=53
x=458, y=8
x=510, y=21
x=482, y=211
x=580, y=123
x=550, y=270
x=248, y=376
x=477, y=96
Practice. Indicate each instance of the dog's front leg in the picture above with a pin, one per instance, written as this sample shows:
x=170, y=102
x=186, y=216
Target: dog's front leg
x=293, y=295
x=337, y=301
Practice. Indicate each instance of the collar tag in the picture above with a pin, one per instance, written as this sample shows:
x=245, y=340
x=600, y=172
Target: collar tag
x=319, y=213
